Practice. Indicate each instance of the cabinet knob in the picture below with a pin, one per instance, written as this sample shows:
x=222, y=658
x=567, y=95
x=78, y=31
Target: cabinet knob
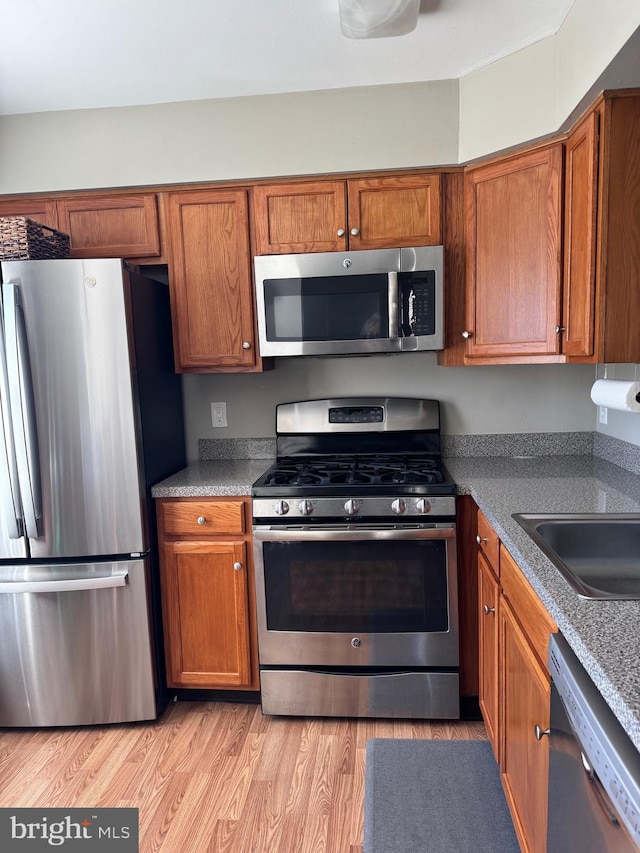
x=487, y=610
x=202, y=519
x=237, y=566
x=540, y=733
x=466, y=335
x=480, y=539
x=355, y=231
x=246, y=345
x=340, y=232
x=560, y=329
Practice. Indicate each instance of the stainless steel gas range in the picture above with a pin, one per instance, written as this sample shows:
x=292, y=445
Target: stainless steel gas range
x=355, y=558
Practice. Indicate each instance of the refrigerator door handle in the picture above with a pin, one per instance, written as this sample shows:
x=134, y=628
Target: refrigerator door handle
x=75, y=585
x=10, y=508
x=22, y=409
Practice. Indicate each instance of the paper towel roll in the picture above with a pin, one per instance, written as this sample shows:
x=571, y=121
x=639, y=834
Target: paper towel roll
x=616, y=394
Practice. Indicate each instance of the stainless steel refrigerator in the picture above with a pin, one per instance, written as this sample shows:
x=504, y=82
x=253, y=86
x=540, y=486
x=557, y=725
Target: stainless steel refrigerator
x=91, y=412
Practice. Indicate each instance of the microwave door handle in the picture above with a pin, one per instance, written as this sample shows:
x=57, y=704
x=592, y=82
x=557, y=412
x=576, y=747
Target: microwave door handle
x=22, y=409
x=394, y=328
x=10, y=508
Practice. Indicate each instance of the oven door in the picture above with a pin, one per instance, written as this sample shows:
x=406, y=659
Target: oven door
x=362, y=596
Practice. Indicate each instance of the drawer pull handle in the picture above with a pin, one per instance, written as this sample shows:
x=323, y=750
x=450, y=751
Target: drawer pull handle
x=202, y=519
x=237, y=566
x=540, y=733
x=480, y=540
x=487, y=610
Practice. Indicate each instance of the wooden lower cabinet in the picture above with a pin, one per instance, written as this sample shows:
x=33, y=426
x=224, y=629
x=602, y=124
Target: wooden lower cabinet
x=526, y=695
x=488, y=692
x=514, y=684
x=207, y=594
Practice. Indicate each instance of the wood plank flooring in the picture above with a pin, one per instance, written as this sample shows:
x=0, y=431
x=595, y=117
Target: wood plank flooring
x=213, y=777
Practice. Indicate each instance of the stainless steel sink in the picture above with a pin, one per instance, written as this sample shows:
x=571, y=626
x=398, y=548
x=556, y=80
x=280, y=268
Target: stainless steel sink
x=597, y=553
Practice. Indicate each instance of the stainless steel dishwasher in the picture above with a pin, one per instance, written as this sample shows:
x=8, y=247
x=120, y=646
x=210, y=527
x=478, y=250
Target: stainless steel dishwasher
x=594, y=768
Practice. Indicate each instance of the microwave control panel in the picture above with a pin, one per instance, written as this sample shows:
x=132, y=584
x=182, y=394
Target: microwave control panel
x=417, y=303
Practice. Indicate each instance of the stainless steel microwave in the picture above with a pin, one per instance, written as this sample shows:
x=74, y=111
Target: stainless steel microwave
x=340, y=303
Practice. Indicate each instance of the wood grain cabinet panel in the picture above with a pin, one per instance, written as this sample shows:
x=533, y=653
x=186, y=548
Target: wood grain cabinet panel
x=118, y=226
x=40, y=210
x=210, y=280
x=488, y=610
x=362, y=213
x=208, y=597
x=513, y=213
x=580, y=182
x=300, y=217
x=526, y=694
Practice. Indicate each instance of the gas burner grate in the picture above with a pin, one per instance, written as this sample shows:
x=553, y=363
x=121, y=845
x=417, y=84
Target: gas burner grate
x=355, y=470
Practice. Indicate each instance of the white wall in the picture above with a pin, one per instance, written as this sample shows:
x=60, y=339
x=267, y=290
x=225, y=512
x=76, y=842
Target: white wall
x=377, y=127
x=475, y=400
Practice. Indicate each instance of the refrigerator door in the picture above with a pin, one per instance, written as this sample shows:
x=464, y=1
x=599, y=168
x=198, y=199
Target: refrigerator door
x=12, y=541
x=76, y=644
x=73, y=413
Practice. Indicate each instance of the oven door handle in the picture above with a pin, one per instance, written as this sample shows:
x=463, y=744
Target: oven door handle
x=289, y=534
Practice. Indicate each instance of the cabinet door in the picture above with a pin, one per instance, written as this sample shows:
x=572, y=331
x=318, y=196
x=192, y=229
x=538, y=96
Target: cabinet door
x=393, y=212
x=488, y=600
x=513, y=210
x=581, y=175
x=40, y=210
x=210, y=280
x=122, y=226
x=526, y=696
x=300, y=217
x=206, y=607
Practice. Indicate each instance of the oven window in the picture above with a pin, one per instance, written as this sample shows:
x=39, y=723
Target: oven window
x=338, y=308
x=362, y=586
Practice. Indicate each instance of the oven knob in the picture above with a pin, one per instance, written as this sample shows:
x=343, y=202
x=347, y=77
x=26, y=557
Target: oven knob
x=423, y=506
x=399, y=506
x=351, y=507
x=305, y=507
x=281, y=507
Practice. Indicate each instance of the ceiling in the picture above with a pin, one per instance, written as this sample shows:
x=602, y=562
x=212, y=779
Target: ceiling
x=79, y=54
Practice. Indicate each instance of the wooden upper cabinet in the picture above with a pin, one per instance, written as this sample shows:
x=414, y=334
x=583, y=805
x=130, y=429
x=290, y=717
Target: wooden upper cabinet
x=40, y=210
x=210, y=280
x=617, y=331
x=513, y=225
x=118, y=226
x=581, y=195
x=335, y=216
x=394, y=212
x=300, y=217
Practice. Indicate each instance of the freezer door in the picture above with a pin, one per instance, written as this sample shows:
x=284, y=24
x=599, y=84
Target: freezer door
x=76, y=647
x=73, y=412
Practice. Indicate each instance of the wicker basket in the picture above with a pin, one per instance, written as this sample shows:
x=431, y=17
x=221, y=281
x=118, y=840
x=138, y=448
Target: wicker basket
x=23, y=239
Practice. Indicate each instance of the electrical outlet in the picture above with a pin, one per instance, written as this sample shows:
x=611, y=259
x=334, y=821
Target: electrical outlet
x=219, y=414
x=603, y=411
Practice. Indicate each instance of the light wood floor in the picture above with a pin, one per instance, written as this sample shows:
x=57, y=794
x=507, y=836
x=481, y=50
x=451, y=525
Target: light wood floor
x=212, y=777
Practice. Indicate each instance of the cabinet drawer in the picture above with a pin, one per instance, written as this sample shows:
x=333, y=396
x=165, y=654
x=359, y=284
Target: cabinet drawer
x=531, y=613
x=488, y=543
x=203, y=518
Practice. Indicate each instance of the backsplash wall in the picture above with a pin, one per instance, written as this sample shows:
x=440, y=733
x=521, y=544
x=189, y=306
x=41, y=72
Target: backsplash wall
x=474, y=400
x=622, y=425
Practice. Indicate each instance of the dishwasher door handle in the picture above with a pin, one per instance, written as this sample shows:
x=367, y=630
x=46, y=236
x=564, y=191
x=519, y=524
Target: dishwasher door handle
x=72, y=585
x=604, y=801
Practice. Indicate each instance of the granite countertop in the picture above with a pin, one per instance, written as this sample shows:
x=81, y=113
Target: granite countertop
x=605, y=635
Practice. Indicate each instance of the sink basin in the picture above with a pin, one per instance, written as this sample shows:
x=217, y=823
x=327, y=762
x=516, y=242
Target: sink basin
x=597, y=553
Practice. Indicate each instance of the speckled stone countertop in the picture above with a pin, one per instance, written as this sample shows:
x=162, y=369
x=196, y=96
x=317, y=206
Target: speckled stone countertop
x=212, y=478
x=605, y=635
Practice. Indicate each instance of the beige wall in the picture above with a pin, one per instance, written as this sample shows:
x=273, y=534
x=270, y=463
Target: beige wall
x=380, y=127
x=531, y=92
